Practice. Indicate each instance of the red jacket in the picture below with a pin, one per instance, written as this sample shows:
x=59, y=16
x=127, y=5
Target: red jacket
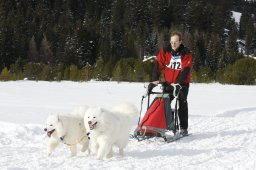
x=176, y=65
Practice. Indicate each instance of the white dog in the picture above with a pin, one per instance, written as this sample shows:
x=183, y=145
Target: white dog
x=109, y=128
x=68, y=129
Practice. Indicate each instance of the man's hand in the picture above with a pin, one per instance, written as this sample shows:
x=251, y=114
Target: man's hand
x=151, y=86
x=167, y=88
x=177, y=87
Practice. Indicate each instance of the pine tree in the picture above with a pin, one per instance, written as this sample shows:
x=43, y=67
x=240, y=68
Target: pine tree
x=32, y=71
x=74, y=73
x=5, y=74
x=199, y=51
x=47, y=73
x=213, y=53
x=86, y=72
x=70, y=51
x=33, y=53
x=243, y=24
x=16, y=69
x=66, y=75
x=98, y=69
x=45, y=52
x=7, y=45
x=249, y=35
x=139, y=72
x=198, y=15
x=231, y=48
x=117, y=72
x=243, y=71
x=223, y=61
x=107, y=71
x=59, y=72
x=130, y=74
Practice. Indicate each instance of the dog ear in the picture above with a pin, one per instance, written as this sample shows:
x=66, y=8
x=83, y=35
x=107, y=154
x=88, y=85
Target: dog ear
x=58, y=118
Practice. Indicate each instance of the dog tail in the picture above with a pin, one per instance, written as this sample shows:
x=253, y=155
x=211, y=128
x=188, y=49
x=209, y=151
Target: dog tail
x=79, y=111
x=127, y=109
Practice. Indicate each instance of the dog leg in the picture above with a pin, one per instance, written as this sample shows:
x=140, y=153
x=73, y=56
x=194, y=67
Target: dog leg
x=104, y=149
x=94, y=148
x=51, y=146
x=110, y=154
x=73, y=150
x=121, y=151
x=85, y=144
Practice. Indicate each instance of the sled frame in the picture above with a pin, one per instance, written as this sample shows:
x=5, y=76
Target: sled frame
x=159, y=131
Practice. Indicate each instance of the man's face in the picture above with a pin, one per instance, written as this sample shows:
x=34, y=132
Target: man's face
x=175, y=42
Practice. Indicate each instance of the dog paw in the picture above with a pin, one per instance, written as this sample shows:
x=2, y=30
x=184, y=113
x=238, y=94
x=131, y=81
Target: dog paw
x=109, y=155
x=72, y=155
x=99, y=157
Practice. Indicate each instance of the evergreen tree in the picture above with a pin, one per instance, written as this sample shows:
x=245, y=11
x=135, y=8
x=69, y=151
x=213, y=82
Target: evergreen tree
x=107, y=71
x=70, y=51
x=5, y=74
x=117, y=72
x=86, y=73
x=118, y=44
x=32, y=71
x=16, y=69
x=213, y=53
x=66, y=75
x=198, y=15
x=45, y=52
x=98, y=69
x=199, y=51
x=243, y=71
x=139, y=72
x=249, y=35
x=7, y=53
x=73, y=73
x=223, y=61
x=243, y=24
x=86, y=46
x=33, y=53
x=47, y=73
x=231, y=47
x=59, y=72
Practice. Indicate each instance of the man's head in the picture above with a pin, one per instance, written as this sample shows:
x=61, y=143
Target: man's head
x=175, y=40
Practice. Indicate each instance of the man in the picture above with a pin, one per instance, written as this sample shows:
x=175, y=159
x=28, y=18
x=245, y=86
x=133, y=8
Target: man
x=176, y=62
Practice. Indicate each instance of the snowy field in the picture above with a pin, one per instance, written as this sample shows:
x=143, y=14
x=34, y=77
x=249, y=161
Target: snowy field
x=222, y=120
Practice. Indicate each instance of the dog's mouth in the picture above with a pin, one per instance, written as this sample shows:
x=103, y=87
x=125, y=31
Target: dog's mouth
x=92, y=126
x=49, y=134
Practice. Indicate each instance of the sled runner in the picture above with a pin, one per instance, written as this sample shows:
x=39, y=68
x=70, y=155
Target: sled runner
x=160, y=120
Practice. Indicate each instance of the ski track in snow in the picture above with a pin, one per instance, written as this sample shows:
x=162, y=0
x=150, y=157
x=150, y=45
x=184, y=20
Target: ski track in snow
x=223, y=141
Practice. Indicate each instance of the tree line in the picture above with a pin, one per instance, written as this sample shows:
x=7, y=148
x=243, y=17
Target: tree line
x=107, y=39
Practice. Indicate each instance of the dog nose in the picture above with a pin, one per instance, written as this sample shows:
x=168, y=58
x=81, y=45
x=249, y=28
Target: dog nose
x=45, y=129
x=90, y=122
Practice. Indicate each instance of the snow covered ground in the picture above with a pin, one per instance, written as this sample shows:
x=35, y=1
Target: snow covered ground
x=221, y=119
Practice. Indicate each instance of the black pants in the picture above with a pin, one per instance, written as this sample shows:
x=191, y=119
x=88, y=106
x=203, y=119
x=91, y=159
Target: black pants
x=183, y=107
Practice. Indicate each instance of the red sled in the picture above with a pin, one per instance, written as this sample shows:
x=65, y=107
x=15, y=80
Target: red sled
x=158, y=119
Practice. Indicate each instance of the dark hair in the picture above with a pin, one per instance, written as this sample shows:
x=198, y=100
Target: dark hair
x=179, y=34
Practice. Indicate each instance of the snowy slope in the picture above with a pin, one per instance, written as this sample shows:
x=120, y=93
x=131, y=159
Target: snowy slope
x=221, y=120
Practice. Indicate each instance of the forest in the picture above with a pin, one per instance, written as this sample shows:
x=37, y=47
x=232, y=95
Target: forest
x=108, y=40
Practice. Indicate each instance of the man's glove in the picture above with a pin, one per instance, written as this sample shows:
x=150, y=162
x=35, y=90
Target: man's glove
x=167, y=88
x=150, y=87
x=177, y=87
x=173, y=89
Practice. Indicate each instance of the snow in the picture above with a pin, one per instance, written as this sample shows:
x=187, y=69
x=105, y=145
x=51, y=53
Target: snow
x=221, y=120
x=236, y=16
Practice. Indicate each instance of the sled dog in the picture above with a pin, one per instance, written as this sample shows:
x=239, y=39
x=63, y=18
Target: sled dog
x=68, y=129
x=109, y=128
